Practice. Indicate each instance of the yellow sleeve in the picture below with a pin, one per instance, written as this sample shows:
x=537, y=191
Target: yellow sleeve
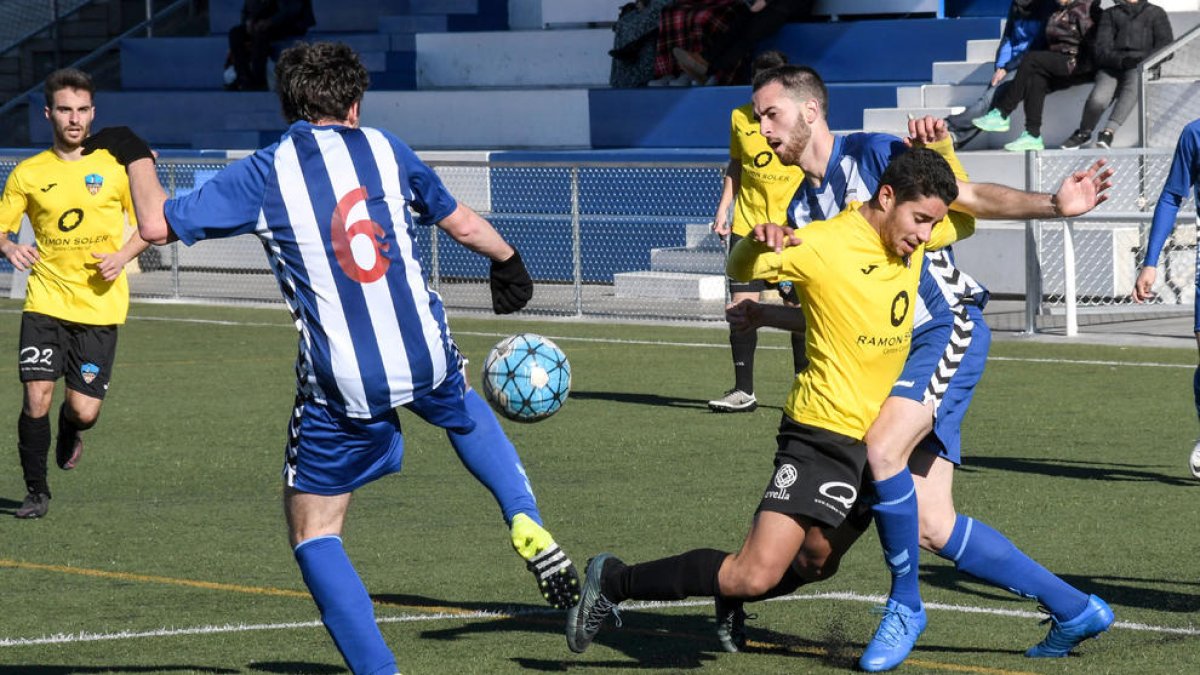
x=13, y=203
x=945, y=148
x=957, y=225
x=753, y=260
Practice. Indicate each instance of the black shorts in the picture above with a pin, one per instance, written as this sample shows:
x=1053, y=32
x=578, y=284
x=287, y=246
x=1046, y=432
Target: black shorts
x=51, y=348
x=786, y=290
x=820, y=475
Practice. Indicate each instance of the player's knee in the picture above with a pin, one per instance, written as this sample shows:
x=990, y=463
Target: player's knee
x=85, y=419
x=935, y=531
x=817, y=565
x=741, y=578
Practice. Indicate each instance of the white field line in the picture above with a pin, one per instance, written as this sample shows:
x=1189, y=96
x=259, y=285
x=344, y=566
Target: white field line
x=468, y=615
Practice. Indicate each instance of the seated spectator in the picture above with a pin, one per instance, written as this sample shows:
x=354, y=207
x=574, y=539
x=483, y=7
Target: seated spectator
x=1129, y=31
x=635, y=35
x=1023, y=31
x=250, y=42
x=725, y=52
x=687, y=24
x=1064, y=62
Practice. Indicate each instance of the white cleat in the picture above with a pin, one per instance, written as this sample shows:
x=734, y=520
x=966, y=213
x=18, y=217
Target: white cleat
x=1194, y=462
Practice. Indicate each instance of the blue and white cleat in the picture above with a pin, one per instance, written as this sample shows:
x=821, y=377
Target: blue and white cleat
x=895, y=637
x=1064, y=636
x=1194, y=461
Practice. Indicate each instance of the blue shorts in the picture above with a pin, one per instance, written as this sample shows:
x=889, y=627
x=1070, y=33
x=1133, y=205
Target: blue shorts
x=944, y=364
x=331, y=454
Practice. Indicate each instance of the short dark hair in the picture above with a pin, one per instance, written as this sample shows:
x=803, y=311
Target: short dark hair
x=772, y=58
x=319, y=80
x=67, y=78
x=801, y=82
x=920, y=173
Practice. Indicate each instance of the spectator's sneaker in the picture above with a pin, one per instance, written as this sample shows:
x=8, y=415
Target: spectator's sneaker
x=731, y=624
x=67, y=451
x=734, y=400
x=1195, y=460
x=1105, y=139
x=1077, y=140
x=1066, y=635
x=681, y=80
x=1025, y=142
x=36, y=505
x=897, y=633
x=691, y=63
x=664, y=81
x=554, y=572
x=587, y=616
x=992, y=121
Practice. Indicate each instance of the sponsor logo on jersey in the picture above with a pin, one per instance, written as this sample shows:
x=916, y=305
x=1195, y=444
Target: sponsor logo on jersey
x=49, y=187
x=763, y=158
x=900, y=305
x=89, y=371
x=94, y=182
x=869, y=268
x=70, y=219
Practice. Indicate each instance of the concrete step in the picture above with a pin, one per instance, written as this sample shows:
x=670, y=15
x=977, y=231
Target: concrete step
x=950, y=95
x=413, y=23
x=444, y=6
x=982, y=50
x=895, y=120
x=701, y=236
x=691, y=260
x=995, y=166
x=556, y=58
x=962, y=72
x=538, y=14
x=669, y=285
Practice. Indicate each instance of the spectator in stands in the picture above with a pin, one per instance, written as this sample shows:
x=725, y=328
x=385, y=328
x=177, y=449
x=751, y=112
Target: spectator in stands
x=264, y=22
x=725, y=52
x=1129, y=31
x=687, y=24
x=763, y=188
x=634, y=41
x=1023, y=31
x=1064, y=62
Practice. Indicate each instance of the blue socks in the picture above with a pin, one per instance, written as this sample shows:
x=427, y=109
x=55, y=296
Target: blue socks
x=983, y=552
x=491, y=458
x=346, y=608
x=898, y=525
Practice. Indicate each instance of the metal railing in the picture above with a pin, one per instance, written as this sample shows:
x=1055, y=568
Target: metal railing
x=1174, y=70
x=23, y=20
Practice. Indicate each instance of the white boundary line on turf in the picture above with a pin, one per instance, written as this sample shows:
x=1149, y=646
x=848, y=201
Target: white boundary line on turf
x=482, y=614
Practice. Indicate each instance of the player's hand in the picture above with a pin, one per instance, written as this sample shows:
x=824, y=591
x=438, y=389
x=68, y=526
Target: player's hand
x=511, y=285
x=1083, y=191
x=744, y=316
x=925, y=130
x=120, y=142
x=110, y=265
x=1145, y=281
x=777, y=237
x=22, y=256
x=720, y=224
x=998, y=76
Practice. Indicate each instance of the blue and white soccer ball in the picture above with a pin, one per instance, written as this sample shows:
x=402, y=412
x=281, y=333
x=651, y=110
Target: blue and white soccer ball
x=526, y=377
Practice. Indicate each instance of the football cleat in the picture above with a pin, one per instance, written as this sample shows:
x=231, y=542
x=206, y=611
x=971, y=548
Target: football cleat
x=1195, y=460
x=734, y=400
x=731, y=624
x=895, y=637
x=36, y=505
x=554, y=572
x=587, y=616
x=1064, y=636
x=67, y=451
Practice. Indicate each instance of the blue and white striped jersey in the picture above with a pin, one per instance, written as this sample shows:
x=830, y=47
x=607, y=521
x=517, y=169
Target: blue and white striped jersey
x=855, y=166
x=331, y=206
x=1183, y=180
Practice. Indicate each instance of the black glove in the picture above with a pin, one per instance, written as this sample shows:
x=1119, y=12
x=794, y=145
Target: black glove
x=511, y=286
x=120, y=142
x=1129, y=62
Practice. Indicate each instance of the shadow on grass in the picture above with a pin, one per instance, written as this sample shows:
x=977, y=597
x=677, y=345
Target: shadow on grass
x=8, y=506
x=1062, y=468
x=89, y=669
x=651, y=399
x=648, y=640
x=1123, y=591
x=284, y=667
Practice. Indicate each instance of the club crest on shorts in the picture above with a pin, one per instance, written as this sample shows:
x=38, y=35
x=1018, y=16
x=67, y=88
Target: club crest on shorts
x=94, y=182
x=785, y=477
x=89, y=371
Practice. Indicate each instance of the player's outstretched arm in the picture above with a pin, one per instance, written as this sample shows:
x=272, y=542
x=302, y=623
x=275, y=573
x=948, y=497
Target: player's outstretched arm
x=511, y=285
x=1079, y=193
x=145, y=189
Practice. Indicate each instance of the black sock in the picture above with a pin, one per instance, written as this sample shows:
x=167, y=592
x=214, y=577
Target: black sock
x=33, y=444
x=743, y=344
x=799, y=357
x=683, y=576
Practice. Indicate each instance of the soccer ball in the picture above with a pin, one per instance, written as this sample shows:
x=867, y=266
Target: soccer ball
x=526, y=377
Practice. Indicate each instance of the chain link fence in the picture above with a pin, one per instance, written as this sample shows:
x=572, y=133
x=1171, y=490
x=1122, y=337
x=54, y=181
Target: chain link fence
x=1082, y=271
x=1170, y=91
x=21, y=18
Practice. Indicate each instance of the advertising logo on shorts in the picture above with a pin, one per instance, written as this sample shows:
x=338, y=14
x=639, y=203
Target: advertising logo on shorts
x=94, y=182
x=785, y=477
x=89, y=371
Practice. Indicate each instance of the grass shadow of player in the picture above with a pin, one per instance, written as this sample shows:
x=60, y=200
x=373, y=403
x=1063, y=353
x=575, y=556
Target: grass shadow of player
x=298, y=667
x=9, y=506
x=650, y=399
x=1063, y=468
x=46, y=669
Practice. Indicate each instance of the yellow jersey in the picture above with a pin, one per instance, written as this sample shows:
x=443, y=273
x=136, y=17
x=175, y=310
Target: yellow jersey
x=77, y=208
x=766, y=186
x=858, y=300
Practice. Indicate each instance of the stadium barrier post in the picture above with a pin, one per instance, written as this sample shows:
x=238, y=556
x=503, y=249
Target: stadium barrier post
x=1033, y=270
x=576, y=244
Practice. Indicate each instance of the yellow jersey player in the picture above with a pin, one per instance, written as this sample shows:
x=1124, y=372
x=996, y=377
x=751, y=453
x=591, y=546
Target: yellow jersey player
x=77, y=293
x=763, y=187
